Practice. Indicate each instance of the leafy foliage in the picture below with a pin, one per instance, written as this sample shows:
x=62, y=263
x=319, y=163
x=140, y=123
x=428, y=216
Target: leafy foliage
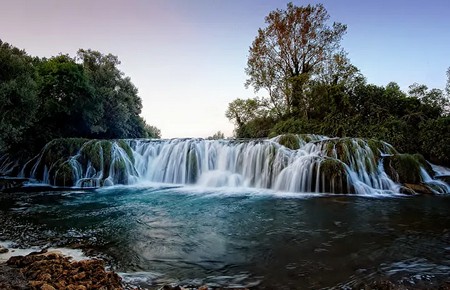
x=288, y=52
x=217, y=136
x=65, y=97
x=313, y=88
x=18, y=95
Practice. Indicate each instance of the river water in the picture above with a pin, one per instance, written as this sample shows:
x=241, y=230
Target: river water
x=154, y=234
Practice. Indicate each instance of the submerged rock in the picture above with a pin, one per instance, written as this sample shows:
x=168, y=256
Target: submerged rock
x=3, y=250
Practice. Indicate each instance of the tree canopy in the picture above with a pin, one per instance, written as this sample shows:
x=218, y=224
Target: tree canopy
x=292, y=49
x=311, y=86
x=18, y=94
x=88, y=96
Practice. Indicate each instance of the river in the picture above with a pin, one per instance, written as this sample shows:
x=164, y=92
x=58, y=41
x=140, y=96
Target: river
x=154, y=234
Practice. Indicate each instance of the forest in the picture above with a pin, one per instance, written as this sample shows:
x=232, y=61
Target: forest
x=303, y=80
x=86, y=96
x=306, y=83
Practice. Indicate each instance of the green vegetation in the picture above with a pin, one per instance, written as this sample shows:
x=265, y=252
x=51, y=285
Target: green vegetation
x=124, y=145
x=311, y=87
x=64, y=97
x=61, y=159
x=405, y=168
x=335, y=176
x=290, y=141
x=64, y=175
x=217, y=136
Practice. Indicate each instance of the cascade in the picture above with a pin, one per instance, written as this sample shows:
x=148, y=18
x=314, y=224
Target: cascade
x=292, y=163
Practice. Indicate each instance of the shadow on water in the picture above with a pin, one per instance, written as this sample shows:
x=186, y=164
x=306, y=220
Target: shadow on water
x=242, y=239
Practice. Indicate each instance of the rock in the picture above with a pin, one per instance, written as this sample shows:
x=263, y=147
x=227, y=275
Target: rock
x=47, y=287
x=11, y=278
x=3, y=250
x=52, y=270
x=418, y=188
x=203, y=287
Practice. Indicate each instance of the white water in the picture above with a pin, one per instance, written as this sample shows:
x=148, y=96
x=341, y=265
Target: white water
x=257, y=164
x=74, y=254
x=320, y=165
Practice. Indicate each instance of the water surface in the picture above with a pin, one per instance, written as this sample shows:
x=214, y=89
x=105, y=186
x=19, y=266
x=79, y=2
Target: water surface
x=241, y=237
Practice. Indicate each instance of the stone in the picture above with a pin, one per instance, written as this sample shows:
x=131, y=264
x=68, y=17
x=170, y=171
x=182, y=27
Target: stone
x=47, y=287
x=3, y=250
x=418, y=188
x=52, y=270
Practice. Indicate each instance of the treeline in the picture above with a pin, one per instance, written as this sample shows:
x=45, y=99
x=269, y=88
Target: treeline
x=85, y=96
x=310, y=86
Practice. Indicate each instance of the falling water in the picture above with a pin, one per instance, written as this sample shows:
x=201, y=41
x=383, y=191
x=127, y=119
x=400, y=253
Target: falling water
x=305, y=163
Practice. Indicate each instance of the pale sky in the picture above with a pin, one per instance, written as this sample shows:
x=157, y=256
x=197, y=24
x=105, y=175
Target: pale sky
x=187, y=57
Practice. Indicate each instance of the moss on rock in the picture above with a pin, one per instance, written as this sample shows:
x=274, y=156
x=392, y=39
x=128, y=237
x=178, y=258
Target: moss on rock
x=290, y=141
x=405, y=168
x=63, y=175
x=334, y=176
x=124, y=145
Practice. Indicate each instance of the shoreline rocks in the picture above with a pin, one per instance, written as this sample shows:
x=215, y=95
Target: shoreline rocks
x=52, y=270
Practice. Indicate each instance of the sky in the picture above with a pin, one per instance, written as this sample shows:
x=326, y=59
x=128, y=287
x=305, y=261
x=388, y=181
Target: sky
x=187, y=57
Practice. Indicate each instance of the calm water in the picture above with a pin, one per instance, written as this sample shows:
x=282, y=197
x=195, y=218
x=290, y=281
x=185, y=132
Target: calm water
x=155, y=235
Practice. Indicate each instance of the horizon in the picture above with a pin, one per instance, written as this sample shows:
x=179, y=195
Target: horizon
x=188, y=58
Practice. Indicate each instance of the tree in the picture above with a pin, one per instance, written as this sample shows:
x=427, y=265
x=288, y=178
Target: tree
x=242, y=111
x=435, y=101
x=66, y=97
x=447, y=87
x=218, y=135
x=288, y=52
x=18, y=95
x=435, y=139
x=152, y=132
x=121, y=104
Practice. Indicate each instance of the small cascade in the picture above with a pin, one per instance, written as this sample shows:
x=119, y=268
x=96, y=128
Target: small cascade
x=7, y=164
x=437, y=186
x=83, y=163
x=292, y=163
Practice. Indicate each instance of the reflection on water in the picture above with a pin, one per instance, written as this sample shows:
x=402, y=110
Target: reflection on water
x=154, y=234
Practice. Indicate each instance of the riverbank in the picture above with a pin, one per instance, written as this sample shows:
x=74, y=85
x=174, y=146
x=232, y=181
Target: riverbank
x=54, y=270
x=50, y=270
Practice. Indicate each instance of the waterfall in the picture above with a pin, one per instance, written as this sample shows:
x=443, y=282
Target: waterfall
x=292, y=163
x=320, y=164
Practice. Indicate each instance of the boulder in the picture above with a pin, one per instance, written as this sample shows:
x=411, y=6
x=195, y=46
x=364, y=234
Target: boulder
x=418, y=188
x=3, y=250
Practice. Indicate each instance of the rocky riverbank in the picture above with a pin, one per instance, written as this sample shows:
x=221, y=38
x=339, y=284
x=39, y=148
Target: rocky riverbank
x=52, y=270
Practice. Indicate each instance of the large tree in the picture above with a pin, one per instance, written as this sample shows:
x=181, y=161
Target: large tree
x=119, y=98
x=66, y=97
x=290, y=51
x=18, y=94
